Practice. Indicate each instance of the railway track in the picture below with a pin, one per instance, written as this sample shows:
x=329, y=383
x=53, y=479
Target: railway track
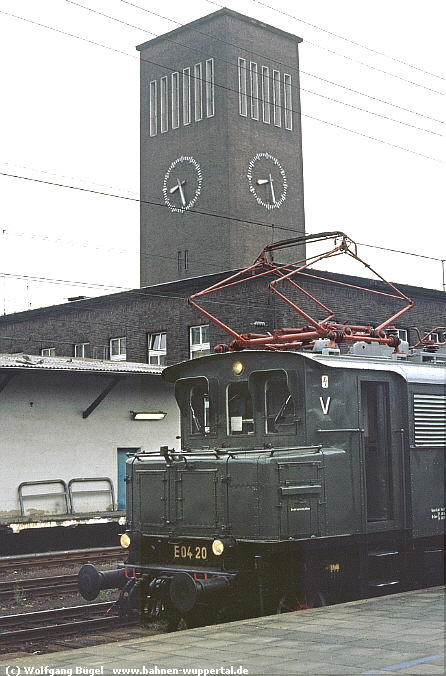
x=76, y=620
x=61, y=558
x=39, y=586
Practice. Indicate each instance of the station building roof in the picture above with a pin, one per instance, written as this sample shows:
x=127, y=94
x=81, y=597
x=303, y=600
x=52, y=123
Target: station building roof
x=70, y=364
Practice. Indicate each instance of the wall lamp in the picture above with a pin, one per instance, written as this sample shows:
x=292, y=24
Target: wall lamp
x=148, y=415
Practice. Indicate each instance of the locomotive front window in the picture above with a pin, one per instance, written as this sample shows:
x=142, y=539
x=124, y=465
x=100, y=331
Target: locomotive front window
x=279, y=404
x=239, y=409
x=200, y=409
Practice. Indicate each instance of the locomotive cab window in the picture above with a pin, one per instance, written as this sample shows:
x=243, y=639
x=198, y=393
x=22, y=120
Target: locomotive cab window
x=279, y=405
x=200, y=409
x=240, y=415
x=196, y=398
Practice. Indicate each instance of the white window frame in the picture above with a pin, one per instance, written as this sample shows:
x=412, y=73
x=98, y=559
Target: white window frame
x=121, y=344
x=164, y=104
x=201, y=347
x=198, y=92
x=175, y=100
x=186, y=96
x=288, y=102
x=157, y=348
x=266, y=95
x=210, y=88
x=277, y=107
x=48, y=352
x=82, y=349
x=242, y=87
x=153, y=108
x=254, y=83
x=402, y=334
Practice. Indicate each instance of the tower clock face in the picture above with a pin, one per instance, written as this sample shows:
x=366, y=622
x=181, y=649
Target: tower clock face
x=267, y=181
x=182, y=184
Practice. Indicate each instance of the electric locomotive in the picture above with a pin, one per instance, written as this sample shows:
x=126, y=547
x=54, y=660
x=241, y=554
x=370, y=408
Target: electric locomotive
x=304, y=478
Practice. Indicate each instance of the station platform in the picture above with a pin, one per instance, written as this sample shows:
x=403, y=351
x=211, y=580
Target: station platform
x=398, y=634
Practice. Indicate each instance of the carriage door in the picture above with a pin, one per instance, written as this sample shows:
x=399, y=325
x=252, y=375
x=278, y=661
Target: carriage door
x=377, y=450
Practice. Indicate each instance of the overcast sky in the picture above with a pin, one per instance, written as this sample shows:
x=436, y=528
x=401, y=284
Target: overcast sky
x=70, y=115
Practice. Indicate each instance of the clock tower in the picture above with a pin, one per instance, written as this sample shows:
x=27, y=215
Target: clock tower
x=221, y=146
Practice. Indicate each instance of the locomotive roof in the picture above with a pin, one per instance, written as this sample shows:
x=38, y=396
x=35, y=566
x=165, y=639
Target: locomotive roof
x=426, y=372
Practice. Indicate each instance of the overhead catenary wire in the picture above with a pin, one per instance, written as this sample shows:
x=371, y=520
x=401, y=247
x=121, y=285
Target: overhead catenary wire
x=136, y=57
x=341, y=37
x=213, y=37
x=338, y=126
x=344, y=56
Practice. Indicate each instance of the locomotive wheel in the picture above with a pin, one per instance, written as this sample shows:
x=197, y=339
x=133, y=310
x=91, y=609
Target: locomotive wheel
x=293, y=600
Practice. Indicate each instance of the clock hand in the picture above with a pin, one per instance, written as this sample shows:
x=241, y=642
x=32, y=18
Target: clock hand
x=273, y=196
x=179, y=186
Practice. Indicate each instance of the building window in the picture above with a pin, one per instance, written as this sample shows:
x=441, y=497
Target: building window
x=153, y=112
x=186, y=95
x=199, y=341
x=175, y=100
x=210, y=101
x=48, y=352
x=186, y=259
x=118, y=349
x=254, y=82
x=266, y=97
x=157, y=343
x=80, y=350
x=288, y=102
x=164, y=105
x=242, y=90
x=436, y=337
x=180, y=261
x=198, y=92
x=276, y=99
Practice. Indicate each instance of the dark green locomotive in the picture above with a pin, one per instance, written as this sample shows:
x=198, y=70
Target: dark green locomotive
x=302, y=479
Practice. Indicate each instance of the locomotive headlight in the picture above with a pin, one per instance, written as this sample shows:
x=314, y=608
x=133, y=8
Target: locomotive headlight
x=237, y=368
x=218, y=547
x=125, y=541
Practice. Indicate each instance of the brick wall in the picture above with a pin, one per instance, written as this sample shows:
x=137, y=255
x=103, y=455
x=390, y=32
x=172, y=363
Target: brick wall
x=136, y=313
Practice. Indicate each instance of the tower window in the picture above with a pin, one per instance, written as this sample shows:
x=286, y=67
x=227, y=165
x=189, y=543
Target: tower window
x=175, y=100
x=266, y=96
x=186, y=96
x=254, y=81
x=276, y=99
x=242, y=89
x=210, y=102
x=288, y=101
x=164, y=104
x=153, y=109
x=198, y=91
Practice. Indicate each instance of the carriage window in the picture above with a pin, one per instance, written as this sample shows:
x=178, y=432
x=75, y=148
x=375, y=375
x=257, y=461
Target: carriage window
x=279, y=405
x=200, y=409
x=240, y=410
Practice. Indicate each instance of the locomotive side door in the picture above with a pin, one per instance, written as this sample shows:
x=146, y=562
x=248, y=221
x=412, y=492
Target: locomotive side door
x=382, y=453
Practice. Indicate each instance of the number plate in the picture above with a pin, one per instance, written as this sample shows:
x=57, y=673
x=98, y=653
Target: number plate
x=190, y=552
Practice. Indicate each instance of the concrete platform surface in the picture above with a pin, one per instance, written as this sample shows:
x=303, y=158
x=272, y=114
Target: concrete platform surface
x=399, y=634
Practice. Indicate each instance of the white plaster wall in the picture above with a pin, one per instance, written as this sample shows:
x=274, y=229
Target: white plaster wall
x=43, y=435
